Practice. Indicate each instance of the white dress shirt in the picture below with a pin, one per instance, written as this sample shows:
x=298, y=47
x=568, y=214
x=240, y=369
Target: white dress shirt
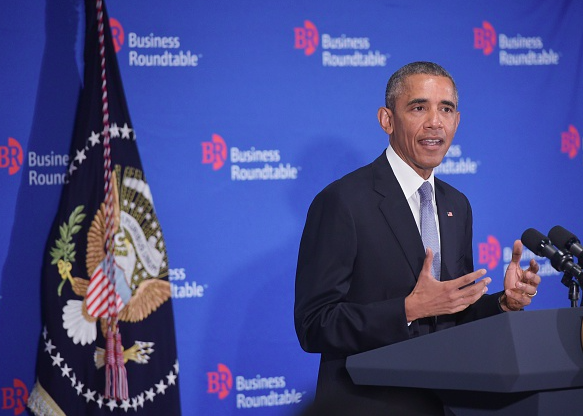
x=410, y=182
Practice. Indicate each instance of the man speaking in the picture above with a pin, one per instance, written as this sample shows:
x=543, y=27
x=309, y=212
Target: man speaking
x=386, y=252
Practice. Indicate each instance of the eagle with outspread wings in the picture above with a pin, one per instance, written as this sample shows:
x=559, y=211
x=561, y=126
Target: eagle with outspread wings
x=138, y=293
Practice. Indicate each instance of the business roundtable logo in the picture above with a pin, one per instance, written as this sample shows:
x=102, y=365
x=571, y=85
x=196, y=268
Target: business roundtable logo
x=47, y=168
x=11, y=156
x=182, y=288
x=570, y=142
x=14, y=397
x=489, y=252
x=152, y=49
x=254, y=392
x=248, y=164
x=455, y=164
x=516, y=50
x=306, y=38
x=338, y=50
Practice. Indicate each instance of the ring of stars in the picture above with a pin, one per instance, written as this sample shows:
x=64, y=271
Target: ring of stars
x=101, y=401
x=115, y=132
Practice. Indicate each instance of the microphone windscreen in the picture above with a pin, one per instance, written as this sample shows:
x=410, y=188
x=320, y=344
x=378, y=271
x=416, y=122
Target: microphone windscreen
x=561, y=237
x=532, y=239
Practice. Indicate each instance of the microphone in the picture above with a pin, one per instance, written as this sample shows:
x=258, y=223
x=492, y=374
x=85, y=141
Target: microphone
x=567, y=240
x=540, y=245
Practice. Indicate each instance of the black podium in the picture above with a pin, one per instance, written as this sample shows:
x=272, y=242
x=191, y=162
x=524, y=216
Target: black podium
x=519, y=363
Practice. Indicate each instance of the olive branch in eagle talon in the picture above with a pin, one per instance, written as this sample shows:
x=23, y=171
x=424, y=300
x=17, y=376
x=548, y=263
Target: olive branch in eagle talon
x=63, y=253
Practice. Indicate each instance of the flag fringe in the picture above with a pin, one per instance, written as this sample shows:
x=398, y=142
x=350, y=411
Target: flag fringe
x=116, y=377
x=122, y=383
x=42, y=404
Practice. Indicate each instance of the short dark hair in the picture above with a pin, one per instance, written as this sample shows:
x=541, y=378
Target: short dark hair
x=395, y=84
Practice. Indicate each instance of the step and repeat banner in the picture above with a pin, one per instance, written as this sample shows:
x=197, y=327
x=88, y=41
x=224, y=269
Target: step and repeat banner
x=243, y=112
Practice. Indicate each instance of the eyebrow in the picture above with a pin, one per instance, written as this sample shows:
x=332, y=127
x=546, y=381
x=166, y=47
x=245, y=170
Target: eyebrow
x=424, y=100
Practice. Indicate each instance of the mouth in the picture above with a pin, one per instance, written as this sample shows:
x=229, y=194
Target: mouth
x=431, y=142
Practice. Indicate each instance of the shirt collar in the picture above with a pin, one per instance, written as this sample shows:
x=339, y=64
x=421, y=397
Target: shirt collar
x=409, y=180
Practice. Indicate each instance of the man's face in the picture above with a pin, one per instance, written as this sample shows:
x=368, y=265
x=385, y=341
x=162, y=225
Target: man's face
x=424, y=121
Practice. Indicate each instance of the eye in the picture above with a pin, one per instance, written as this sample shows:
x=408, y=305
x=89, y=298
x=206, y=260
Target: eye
x=448, y=109
x=418, y=108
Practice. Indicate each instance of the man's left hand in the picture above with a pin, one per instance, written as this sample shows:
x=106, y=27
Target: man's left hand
x=520, y=286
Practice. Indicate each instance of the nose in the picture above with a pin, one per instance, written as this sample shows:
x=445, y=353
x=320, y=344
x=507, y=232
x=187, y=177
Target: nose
x=433, y=120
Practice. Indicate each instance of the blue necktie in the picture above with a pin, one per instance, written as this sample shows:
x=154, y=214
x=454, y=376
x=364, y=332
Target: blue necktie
x=429, y=228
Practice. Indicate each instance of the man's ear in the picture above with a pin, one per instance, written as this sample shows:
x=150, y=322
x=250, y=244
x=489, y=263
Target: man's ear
x=385, y=117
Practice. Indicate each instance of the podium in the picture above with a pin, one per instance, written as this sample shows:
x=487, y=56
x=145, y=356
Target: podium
x=516, y=363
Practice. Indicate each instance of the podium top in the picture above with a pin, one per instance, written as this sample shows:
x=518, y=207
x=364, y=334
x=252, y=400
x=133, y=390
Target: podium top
x=510, y=352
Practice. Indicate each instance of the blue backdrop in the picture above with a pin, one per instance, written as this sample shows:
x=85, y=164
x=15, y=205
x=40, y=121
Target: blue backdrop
x=243, y=112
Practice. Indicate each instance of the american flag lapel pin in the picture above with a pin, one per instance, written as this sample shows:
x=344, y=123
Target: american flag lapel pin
x=449, y=214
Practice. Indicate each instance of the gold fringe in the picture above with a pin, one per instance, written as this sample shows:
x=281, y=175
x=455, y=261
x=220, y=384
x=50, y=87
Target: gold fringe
x=42, y=404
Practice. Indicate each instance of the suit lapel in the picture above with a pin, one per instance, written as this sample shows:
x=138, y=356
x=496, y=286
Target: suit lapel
x=397, y=213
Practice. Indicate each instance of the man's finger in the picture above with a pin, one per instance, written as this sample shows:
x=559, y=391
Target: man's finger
x=531, y=279
x=469, y=278
x=518, y=297
x=516, y=251
x=427, y=262
x=533, y=266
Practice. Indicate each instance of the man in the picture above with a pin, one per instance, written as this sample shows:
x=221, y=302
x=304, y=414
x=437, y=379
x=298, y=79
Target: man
x=383, y=259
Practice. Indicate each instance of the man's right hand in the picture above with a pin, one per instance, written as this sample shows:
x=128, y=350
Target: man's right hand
x=431, y=297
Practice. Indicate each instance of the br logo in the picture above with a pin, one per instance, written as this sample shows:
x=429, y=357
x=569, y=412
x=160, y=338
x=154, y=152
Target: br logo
x=485, y=38
x=570, y=142
x=15, y=397
x=220, y=382
x=11, y=156
x=489, y=252
x=306, y=37
x=117, y=34
x=214, y=152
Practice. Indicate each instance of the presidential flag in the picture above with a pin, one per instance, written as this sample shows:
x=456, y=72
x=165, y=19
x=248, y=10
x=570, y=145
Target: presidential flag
x=108, y=343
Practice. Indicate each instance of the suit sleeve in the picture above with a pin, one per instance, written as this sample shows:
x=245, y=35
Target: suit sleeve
x=326, y=321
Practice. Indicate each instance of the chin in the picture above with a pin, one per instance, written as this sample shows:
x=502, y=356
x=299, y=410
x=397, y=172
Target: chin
x=433, y=163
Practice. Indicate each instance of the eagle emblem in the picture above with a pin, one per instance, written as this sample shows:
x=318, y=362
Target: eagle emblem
x=140, y=261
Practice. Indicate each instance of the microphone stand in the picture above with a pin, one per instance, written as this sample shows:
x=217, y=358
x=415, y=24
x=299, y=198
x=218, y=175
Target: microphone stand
x=574, y=289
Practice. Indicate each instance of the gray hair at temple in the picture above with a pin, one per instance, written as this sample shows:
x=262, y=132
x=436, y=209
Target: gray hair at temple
x=395, y=84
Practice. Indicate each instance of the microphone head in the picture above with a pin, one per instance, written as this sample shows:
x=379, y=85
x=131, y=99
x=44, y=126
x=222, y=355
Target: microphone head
x=562, y=238
x=534, y=240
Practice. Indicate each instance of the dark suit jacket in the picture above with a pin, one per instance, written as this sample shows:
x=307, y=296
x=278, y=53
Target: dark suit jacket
x=359, y=257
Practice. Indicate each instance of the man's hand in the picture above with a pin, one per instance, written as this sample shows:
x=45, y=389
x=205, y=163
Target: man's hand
x=431, y=297
x=520, y=286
